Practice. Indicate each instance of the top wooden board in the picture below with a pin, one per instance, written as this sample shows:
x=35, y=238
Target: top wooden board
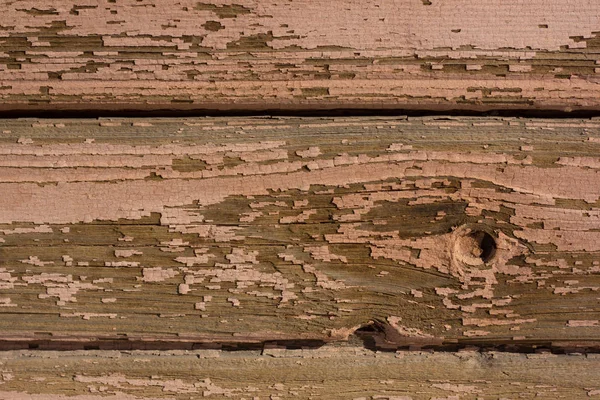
x=290, y=55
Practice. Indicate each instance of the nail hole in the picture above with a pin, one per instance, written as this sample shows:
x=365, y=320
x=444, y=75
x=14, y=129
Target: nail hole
x=368, y=335
x=371, y=328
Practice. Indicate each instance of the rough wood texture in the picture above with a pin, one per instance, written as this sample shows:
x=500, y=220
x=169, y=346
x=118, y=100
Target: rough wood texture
x=215, y=54
x=437, y=231
x=328, y=373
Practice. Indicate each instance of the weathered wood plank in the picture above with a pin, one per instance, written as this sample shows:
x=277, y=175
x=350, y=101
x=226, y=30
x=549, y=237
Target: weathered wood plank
x=332, y=373
x=246, y=54
x=241, y=230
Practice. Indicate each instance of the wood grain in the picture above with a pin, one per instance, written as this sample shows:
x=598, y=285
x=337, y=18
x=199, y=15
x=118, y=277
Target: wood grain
x=301, y=54
x=133, y=233
x=332, y=373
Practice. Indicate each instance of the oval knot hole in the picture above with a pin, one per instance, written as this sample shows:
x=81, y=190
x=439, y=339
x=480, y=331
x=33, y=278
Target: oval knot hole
x=480, y=244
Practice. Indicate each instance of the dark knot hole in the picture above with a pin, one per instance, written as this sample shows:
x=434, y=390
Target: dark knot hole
x=485, y=245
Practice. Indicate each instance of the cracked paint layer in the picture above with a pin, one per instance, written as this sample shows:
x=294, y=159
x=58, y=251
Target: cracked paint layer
x=539, y=54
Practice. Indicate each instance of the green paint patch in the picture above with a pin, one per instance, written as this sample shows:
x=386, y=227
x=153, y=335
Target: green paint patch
x=213, y=26
x=252, y=42
x=38, y=11
x=224, y=11
x=315, y=92
x=188, y=164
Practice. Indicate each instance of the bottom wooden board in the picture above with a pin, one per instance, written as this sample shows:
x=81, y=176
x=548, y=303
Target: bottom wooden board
x=330, y=372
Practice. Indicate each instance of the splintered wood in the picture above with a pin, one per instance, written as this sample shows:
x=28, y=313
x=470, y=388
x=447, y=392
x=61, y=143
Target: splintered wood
x=246, y=54
x=118, y=233
x=327, y=373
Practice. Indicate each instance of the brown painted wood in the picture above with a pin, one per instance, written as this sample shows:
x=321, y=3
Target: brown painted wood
x=332, y=373
x=256, y=55
x=125, y=233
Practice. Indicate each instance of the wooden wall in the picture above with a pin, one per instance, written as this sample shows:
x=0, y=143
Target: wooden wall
x=408, y=247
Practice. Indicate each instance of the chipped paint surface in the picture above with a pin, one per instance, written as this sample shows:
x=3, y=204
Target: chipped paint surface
x=298, y=54
x=235, y=229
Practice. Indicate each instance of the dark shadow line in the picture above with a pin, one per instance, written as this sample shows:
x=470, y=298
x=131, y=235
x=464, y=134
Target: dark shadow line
x=368, y=339
x=322, y=113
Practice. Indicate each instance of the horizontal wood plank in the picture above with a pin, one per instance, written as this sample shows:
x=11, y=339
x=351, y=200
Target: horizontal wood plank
x=425, y=231
x=246, y=54
x=332, y=373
